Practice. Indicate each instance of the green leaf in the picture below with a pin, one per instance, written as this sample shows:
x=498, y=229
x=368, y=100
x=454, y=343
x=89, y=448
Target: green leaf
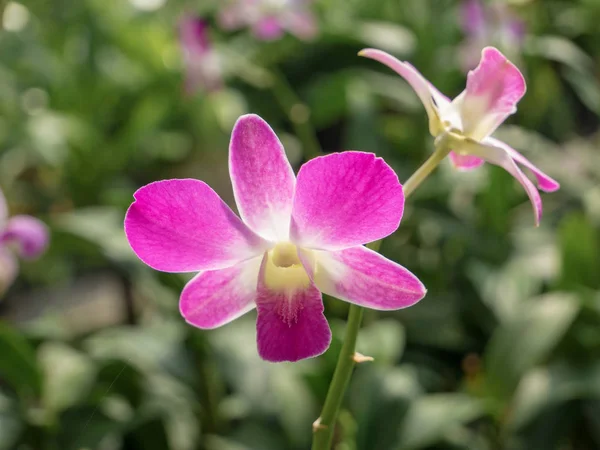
x=580, y=247
x=524, y=341
x=11, y=423
x=431, y=418
x=150, y=434
x=69, y=375
x=86, y=426
x=384, y=340
x=379, y=399
x=545, y=388
x=18, y=364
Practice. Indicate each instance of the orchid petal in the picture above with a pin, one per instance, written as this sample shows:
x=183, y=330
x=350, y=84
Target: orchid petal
x=465, y=162
x=493, y=90
x=263, y=180
x=545, y=183
x=290, y=324
x=29, y=233
x=217, y=297
x=432, y=99
x=499, y=156
x=183, y=226
x=364, y=277
x=345, y=199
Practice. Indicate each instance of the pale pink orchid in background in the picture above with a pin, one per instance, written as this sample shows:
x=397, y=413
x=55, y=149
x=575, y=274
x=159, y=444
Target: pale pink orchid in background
x=20, y=235
x=493, y=90
x=297, y=237
x=203, y=69
x=494, y=23
x=270, y=19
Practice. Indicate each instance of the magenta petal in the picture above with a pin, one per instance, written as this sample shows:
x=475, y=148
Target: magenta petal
x=545, y=183
x=432, y=99
x=263, y=180
x=496, y=154
x=217, y=297
x=493, y=90
x=9, y=269
x=465, y=162
x=29, y=233
x=291, y=326
x=345, y=199
x=183, y=226
x=364, y=277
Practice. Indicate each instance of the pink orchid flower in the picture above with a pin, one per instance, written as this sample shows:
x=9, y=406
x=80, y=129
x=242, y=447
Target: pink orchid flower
x=203, y=69
x=297, y=237
x=493, y=90
x=26, y=235
x=270, y=19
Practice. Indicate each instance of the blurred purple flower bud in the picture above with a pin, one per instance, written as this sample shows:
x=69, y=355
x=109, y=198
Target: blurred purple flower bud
x=29, y=233
x=484, y=25
x=473, y=17
x=202, y=64
x=30, y=236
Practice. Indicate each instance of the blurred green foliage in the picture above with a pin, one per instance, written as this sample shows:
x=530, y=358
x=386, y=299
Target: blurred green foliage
x=503, y=353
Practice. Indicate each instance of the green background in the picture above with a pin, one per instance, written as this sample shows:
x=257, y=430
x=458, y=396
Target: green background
x=503, y=353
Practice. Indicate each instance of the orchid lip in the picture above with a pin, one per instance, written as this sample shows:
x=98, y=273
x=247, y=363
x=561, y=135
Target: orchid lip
x=284, y=272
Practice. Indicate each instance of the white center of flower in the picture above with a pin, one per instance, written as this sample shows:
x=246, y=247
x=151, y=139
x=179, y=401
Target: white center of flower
x=284, y=271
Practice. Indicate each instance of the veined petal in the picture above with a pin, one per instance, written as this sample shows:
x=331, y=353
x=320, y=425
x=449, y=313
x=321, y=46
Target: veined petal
x=465, y=162
x=432, y=99
x=500, y=157
x=29, y=233
x=545, y=183
x=493, y=90
x=345, y=199
x=364, y=277
x=217, y=297
x=263, y=180
x=290, y=324
x=183, y=226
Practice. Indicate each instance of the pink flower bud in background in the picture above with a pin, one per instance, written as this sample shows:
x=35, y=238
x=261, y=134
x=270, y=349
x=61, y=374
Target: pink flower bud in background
x=24, y=235
x=203, y=69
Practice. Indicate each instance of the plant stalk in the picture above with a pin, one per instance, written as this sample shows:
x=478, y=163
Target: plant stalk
x=323, y=428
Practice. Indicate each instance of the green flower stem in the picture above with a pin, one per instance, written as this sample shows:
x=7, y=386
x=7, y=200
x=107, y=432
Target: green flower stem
x=441, y=151
x=324, y=427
